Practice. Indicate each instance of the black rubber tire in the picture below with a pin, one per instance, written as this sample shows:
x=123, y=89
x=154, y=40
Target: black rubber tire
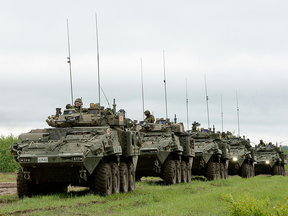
x=23, y=186
x=252, y=171
x=103, y=180
x=245, y=170
x=212, y=171
x=275, y=170
x=131, y=176
x=189, y=170
x=222, y=171
x=225, y=170
x=115, y=177
x=183, y=172
x=169, y=172
x=123, y=177
x=178, y=171
x=284, y=171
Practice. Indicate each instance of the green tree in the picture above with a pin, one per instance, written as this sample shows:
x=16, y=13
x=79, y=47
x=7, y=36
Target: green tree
x=7, y=163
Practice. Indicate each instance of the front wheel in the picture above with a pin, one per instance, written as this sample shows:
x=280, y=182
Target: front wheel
x=183, y=172
x=169, y=172
x=188, y=171
x=245, y=170
x=178, y=171
x=123, y=177
x=131, y=176
x=103, y=180
x=115, y=177
x=23, y=186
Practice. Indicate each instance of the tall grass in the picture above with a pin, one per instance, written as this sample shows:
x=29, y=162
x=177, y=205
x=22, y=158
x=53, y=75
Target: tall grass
x=7, y=163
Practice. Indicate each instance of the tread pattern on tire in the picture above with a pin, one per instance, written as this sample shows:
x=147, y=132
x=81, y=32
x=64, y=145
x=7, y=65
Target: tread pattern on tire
x=275, y=170
x=131, y=176
x=115, y=177
x=123, y=177
x=178, y=171
x=169, y=172
x=245, y=170
x=103, y=179
x=189, y=171
x=212, y=171
x=183, y=172
x=23, y=187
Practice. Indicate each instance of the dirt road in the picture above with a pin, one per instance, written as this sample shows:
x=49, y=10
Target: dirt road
x=8, y=188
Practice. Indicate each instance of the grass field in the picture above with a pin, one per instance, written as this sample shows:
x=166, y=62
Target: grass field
x=151, y=197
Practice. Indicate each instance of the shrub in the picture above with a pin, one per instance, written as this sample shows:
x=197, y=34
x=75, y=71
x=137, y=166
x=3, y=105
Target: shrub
x=7, y=163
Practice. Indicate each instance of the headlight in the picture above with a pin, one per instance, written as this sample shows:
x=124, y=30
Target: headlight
x=267, y=162
x=235, y=159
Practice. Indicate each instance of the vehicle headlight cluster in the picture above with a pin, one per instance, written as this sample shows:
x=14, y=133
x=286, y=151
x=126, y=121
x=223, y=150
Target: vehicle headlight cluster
x=235, y=159
x=267, y=162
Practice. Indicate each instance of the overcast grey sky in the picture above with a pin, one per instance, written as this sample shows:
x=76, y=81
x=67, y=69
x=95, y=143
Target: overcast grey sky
x=241, y=46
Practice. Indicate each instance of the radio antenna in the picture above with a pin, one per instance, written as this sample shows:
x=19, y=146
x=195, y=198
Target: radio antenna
x=187, y=106
x=69, y=62
x=222, y=113
x=142, y=89
x=238, y=114
x=207, y=101
x=98, y=59
x=165, y=84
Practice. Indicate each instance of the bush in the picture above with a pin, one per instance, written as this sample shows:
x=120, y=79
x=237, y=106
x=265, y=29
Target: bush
x=7, y=163
x=250, y=206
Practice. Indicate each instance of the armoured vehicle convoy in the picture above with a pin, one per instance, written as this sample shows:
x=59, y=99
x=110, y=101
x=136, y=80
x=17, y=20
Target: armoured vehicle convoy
x=211, y=155
x=243, y=156
x=270, y=159
x=90, y=147
x=166, y=151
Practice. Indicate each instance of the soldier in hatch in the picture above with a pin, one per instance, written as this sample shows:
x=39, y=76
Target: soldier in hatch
x=77, y=105
x=149, y=118
x=261, y=144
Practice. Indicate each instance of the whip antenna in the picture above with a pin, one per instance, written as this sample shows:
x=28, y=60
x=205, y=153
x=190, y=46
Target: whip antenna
x=142, y=89
x=221, y=113
x=238, y=114
x=187, y=106
x=207, y=101
x=98, y=58
x=69, y=62
x=165, y=84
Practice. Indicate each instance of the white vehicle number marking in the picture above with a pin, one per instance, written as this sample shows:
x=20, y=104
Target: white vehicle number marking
x=42, y=159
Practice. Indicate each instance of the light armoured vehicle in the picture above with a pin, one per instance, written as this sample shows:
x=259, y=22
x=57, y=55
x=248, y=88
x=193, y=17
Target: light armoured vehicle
x=91, y=147
x=243, y=156
x=270, y=159
x=166, y=151
x=211, y=155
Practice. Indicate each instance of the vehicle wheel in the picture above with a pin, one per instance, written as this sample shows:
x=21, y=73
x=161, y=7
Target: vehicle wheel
x=284, y=171
x=188, y=167
x=103, y=179
x=212, y=171
x=169, y=172
x=245, y=170
x=252, y=171
x=183, y=172
x=131, y=176
x=275, y=170
x=23, y=186
x=178, y=171
x=222, y=171
x=115, y=178
x=225, y=170
x=123, y=177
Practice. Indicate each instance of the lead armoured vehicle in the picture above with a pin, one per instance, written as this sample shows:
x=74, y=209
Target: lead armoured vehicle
x=166, y=151
x=84, y=147
x=242, y=154
x=270, y=159
x=211, y=155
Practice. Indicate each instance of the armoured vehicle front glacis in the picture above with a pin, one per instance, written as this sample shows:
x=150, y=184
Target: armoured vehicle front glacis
x=166, y=152
x=86, y=147
x=242, y=154
x=211, y=155
x=270, y=159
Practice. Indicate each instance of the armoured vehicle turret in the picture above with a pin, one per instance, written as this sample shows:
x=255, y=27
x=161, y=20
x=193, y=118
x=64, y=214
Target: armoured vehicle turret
x=211, y=155
x=166, y=151
x=91, y=147
x=270, y=159
x=243, y=156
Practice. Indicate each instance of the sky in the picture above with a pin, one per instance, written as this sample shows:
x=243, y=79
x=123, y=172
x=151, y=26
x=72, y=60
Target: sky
x=238, y=48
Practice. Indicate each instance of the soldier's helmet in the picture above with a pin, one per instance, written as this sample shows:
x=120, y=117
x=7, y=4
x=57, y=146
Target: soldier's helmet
x=147, y=112
x=78, y=102
x=68, y=106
